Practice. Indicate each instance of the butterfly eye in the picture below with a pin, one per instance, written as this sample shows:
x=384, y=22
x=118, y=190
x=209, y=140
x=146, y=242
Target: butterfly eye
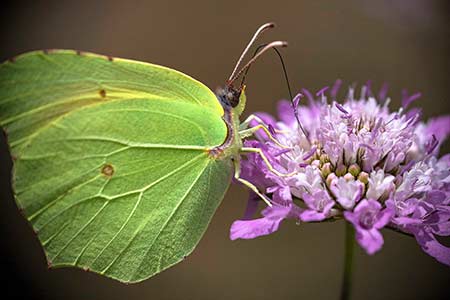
x=233, y=96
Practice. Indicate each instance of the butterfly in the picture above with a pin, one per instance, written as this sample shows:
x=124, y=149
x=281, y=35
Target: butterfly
x=119, y=165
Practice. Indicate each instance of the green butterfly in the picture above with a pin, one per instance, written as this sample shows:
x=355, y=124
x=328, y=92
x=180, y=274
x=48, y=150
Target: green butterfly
x=119, y=165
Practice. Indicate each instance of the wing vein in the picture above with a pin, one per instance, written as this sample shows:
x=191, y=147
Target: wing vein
x=145, y=222
x=130, y=215
x=169, y=219
x=81, y=230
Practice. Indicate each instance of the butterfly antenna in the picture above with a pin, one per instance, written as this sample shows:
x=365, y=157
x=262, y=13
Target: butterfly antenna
x=251, y=61
x=258, y=32
x=286, y=77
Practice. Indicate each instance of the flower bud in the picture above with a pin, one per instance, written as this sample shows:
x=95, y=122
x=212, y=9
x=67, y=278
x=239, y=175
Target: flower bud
x=349, y=177
x=354, y=169
x=324, y=158
x=330, y=178
x=363, y=177
x=326, y=169
x=341, y=170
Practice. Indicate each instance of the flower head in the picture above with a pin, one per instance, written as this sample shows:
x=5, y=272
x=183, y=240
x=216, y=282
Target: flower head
x=354, y=160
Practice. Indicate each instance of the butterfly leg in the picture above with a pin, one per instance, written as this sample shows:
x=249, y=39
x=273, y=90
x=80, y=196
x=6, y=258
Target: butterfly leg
x=266, y=161
x=237, y=176
x=250, y=131
x=245, y=131
x=245, y=125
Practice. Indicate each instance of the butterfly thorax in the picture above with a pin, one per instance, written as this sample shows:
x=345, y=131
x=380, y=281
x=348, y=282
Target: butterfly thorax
x=233, y=102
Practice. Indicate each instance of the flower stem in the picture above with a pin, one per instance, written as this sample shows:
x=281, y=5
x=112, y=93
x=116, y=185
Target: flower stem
x=348, y=261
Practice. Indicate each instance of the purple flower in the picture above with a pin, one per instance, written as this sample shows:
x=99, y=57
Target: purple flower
x=367, y=218
x=355, y=159
x=319, y=206
x=380, y=184
x=429, y=218
x=347, y=193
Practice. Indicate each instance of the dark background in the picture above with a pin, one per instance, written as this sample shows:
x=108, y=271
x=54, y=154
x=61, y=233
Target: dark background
x=404, y=43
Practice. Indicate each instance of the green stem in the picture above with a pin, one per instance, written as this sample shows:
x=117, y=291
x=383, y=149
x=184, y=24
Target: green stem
x=348, y=262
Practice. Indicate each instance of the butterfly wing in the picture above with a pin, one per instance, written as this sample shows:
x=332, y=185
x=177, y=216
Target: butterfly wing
x=111, y=161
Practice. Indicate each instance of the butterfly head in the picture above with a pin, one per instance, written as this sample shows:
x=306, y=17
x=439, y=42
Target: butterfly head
x=231, y=97
x=228, y=96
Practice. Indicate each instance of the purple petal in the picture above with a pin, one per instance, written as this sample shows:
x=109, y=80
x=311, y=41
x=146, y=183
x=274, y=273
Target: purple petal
x=267, y=119
x=407, y=167
x=440, y=127
x=319, y=201
x=383, y=218
x=367, y=204
x=310, y=215
x=407, y=100
x=351, y=217
x=443, y=229
x=308, y=95
x=368, y=89
x=407, y=221
x=253, y=228
x=242, y=229
x=371, y=240
x=322, y=91
x=383, y=92
x=436, y=197
x=286, y=112
x=431, y=246
x=296, y=100
x=271, y=129
x=341, y=108
x=335, y=89
x=281, y=196
x=295, y=212
x=431, y=144
x=310, y=153
x=281, y=152
x=414, y=113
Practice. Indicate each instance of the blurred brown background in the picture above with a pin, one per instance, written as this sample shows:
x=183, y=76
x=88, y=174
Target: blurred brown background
x=404, y=43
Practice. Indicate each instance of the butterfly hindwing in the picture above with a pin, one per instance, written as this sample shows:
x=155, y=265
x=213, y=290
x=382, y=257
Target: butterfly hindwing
x=111, y=162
